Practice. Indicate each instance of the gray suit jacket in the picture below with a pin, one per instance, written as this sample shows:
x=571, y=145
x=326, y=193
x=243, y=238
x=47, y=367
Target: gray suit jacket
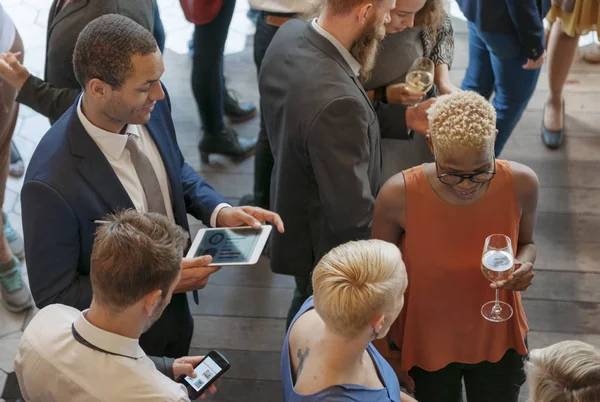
x=325, y=138
x=57, y=93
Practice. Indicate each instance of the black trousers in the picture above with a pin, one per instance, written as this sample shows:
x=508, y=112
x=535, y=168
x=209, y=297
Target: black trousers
x=302, y=292
x=263, y=161
x=171, y=335
x=484, y=382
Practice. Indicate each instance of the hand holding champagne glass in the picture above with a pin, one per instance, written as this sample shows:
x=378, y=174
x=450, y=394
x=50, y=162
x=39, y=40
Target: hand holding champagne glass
x=497, y=264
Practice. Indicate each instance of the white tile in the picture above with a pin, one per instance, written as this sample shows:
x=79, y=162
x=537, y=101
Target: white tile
x=8, y=351
x=35, y=4
x=10, y=199
x=236, y=42
x=173, y=18
x=33, y=36
x=240, y=23
x=35, y=59
x=42, y=17
x=166, y=4
x=34, y=128
x=25, y=147
x=21, y=14
x=177, y=40
x=10, y=322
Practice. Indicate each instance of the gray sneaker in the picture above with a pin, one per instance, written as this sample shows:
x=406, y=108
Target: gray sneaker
x=15, y=293
x=14, y=239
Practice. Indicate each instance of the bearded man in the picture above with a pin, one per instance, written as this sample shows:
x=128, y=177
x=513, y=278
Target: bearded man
x=324, y=133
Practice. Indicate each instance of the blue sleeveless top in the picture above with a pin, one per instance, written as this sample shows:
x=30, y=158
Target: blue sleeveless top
x=345, y=392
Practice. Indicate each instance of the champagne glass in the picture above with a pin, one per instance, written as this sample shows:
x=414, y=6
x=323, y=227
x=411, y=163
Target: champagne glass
x=497, y=264
x=420, y=76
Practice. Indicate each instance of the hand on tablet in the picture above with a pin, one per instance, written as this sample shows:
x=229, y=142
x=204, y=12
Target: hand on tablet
x=195, y=273
x=251, y=216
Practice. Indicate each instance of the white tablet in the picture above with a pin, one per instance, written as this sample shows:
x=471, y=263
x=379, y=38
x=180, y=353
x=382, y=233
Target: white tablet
x=230, y=246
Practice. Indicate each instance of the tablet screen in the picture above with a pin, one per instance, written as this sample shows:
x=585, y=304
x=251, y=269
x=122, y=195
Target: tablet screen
x=229, y=245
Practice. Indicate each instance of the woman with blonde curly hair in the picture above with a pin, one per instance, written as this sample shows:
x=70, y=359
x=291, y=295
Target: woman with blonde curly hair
x=440, y=214
x=567, y=371
x=327, y=354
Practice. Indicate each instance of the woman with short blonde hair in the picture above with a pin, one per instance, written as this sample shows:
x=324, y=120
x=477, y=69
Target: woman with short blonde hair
x=327, y=354
x=567, y=371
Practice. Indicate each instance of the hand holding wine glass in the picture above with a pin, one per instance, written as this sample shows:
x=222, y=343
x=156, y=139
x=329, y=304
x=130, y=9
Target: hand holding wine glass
x=519, y=280
x=497, y=265
x=420, y=76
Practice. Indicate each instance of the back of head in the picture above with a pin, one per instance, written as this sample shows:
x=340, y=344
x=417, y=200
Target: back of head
x=355, y=282
x=135, y=254
x=105, y=46
x=567, y=371
x=462, y=121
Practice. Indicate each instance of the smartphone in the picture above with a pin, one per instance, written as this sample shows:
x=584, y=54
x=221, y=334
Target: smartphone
x=207, y=371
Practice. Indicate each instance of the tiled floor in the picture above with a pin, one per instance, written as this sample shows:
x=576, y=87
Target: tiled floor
x=30, y=17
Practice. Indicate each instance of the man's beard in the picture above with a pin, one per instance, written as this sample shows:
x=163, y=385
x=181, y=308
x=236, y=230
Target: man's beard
x=366, y=47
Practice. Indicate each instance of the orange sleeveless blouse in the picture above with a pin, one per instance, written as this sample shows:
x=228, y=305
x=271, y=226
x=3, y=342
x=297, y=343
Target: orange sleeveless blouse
x=441, y=321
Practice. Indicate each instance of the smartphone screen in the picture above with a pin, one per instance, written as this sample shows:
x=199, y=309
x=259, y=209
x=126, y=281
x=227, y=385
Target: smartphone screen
x=205, y=371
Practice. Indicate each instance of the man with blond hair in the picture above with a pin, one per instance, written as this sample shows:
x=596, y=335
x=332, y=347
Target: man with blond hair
x=327, y=355
x=440, y=214
x=324, y=133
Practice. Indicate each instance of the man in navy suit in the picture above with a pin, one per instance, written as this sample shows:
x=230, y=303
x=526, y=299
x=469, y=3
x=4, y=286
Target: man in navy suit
x=116, y=148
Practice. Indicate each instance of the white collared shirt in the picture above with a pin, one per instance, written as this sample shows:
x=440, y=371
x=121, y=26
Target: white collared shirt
x=51, y=365
x=113, y=145
x=352, y=62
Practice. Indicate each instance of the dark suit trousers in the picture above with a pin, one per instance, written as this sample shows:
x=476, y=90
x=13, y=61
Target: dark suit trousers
x=171, y=335
x=263, y=161
x=302, y=292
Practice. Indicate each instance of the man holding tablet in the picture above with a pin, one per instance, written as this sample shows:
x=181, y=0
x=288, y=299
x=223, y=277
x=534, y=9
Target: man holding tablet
x=116, y=148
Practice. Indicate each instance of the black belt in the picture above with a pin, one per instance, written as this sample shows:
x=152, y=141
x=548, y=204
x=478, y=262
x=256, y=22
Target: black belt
x=81, y=340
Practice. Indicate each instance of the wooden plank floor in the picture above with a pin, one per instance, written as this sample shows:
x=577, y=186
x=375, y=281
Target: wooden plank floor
x=242, y=310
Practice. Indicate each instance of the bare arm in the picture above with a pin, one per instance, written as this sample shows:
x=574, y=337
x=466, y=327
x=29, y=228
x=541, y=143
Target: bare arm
x=442, y=80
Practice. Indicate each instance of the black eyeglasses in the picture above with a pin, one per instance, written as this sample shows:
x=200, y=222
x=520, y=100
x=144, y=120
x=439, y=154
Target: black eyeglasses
x=457, y=178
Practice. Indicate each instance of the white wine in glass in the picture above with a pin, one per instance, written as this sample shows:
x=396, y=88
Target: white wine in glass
x=421, y=74
x=497, y=264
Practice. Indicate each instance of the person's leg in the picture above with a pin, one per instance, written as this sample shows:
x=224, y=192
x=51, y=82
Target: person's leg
x=444, y=385
x=495, y=382
x=207, y=85
x=561, y=52
x=263, y=162
x=514, y=85
x=479, y=76
x=159, y=29
x=302, y=292
x=15, y=293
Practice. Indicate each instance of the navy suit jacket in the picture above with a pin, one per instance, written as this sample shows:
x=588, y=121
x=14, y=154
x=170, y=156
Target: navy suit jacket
x=70, y=184
x=520, y=17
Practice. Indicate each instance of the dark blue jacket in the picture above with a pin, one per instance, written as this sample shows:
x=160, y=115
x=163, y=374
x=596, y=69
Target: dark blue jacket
x=520, y=17
x=70, y=184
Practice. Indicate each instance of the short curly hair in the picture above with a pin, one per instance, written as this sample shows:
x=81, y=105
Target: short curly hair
x=105, y=46
x=462, y=120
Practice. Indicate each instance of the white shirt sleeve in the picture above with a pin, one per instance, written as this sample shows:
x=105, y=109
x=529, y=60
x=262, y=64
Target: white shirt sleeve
x=215, y=213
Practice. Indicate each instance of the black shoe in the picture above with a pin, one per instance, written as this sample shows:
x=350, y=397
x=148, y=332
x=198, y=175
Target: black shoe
x=226, y=143
x=247, y=199
x=553, y=139
x=237, y=111
x=16, y=168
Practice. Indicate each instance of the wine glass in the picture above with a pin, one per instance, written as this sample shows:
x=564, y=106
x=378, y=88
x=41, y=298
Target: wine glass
x=497, y=264
x=420, y=76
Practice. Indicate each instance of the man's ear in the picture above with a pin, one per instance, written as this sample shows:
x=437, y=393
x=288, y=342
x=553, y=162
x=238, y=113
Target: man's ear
x=364, y=12
x=97, y=88
x=152, y=300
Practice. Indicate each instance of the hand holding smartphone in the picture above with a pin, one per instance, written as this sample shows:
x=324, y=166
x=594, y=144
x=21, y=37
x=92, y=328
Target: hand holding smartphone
x=207, y=371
